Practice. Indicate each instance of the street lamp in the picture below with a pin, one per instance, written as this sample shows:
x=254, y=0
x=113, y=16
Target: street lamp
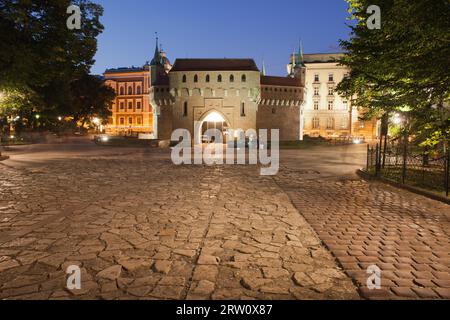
x=59, y=118
x=397, y=119
x=97, y=123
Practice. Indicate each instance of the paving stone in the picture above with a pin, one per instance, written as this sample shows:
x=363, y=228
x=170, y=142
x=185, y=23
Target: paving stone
x=162, y=266
x=111, y=273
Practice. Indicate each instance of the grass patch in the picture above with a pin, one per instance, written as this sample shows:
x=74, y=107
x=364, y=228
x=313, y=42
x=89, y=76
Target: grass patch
x=305, y=144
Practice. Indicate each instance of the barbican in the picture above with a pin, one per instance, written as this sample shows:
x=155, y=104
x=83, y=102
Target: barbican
x=154, y=100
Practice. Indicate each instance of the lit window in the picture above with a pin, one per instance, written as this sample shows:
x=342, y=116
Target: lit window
x=139, y=121
x=122, y=121
x=330, y=105
x=315, y=123
x=130, y=105
x=138, y=105
x=330, y=77
x=330, y=123
x=130, y=120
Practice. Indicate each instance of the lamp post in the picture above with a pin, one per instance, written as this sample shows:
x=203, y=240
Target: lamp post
x=97, y=123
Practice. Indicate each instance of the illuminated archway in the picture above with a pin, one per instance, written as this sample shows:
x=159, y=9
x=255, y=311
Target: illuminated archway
x=211, y=120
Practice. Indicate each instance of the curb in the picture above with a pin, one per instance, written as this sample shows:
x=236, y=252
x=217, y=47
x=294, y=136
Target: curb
x=418, y=191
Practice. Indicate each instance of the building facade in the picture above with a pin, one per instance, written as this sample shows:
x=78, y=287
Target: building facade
x=325, y=112
x=224, y=94
x=131, y=110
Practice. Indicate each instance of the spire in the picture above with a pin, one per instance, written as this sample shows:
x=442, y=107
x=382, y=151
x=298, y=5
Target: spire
x=264, y=68
x=156, y=57
x=294, y=61
x=300, y=52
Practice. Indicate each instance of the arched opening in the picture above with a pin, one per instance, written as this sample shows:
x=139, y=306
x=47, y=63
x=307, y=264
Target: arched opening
x=213, y=120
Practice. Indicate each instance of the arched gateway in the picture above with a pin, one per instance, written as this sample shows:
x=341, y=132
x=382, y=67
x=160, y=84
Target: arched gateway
x=212, y=119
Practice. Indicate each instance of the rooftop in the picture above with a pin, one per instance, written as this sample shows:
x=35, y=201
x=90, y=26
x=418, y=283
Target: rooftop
x=322, y=57
x=214, y=65
x=280, y=81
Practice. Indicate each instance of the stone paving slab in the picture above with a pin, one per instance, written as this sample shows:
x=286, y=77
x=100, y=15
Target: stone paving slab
x=142, y=228
x=369, y=223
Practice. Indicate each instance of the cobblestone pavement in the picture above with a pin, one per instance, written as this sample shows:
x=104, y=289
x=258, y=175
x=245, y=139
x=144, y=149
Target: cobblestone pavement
x=141, y=228
x=406, y=235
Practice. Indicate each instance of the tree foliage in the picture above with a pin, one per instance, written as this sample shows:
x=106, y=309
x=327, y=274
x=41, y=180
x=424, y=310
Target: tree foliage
x=405, y=65
x=41, y=58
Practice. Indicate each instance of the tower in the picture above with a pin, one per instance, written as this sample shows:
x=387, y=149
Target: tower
x=157, y=71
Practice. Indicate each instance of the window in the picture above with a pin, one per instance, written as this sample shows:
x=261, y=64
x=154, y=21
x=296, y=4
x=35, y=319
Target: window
x=184, y=79
x=330, y=77
x=242, y=109
x=345, y=103
x=331, y=91
x=185, y=109
x=274, y=111
x=231, y=78
x=316, y=105
x=244, y=78
x=196, y=78
x=122, y=91
x=130, y=105
x=130, y=91
x=207, y=78
x=138, y=90
x=330, y=123
x=362, y=124
x=330, y=105
x=316, y=78
x=122, y=121
x=138, y=105
x=122, y=105
x=130, y=120
x=344, y=123
x=316, y=91
x=139, y=121
x=315, y=123
x=219, y=78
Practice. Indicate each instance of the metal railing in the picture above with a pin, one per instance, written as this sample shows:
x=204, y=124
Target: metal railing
x=411, y=166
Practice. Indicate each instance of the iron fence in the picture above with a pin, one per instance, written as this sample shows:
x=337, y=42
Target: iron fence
x=412, y=166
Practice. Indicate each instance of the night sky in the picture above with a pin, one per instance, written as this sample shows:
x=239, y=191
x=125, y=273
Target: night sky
x=262, y=30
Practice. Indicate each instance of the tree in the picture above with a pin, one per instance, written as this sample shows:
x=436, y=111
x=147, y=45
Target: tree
x=90, y=97
x=40, y=57
x=404, y=66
